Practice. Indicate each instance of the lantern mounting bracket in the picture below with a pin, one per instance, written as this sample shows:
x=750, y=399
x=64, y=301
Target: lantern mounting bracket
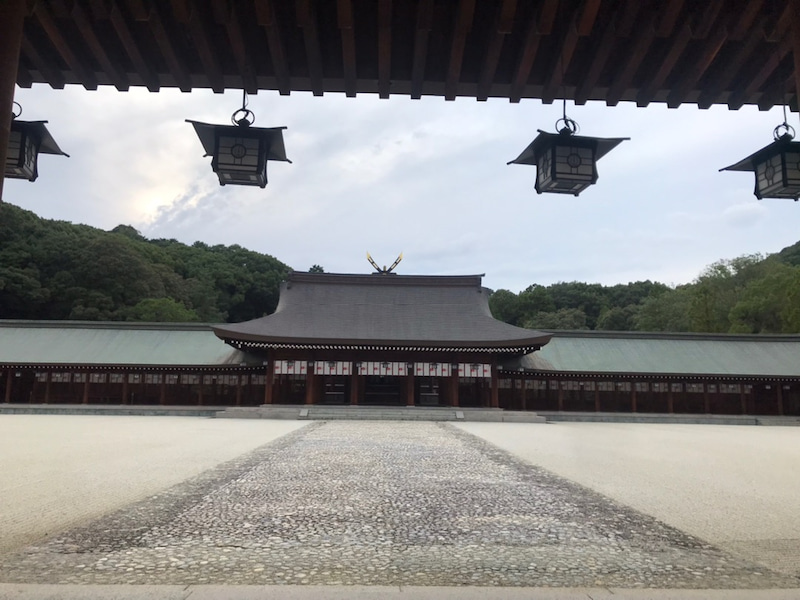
x=16, y=113
x=243, y=117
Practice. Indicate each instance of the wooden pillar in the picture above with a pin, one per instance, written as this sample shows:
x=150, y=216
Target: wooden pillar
x=794, y=6
x=560, y=385
x=310, y=385
x=633, y=396
x=706, y=399
x=454, y=384
x=200, y=399
x=743, y=398
x=269, y=382
x=162, y=393
x=354, y=381
x=86, y=389
x=670, y=399
x=9, y=383
x=780, y=398
x=494, y=401
x=524, y=392
x=47, y=377
x=125, y=391
x=596, y=396
x=410, y=388
x=239, y=389
x=12, y=16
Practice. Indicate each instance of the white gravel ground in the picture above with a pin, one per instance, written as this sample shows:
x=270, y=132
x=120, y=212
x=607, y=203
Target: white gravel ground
x=735, y=486
x=60, y=470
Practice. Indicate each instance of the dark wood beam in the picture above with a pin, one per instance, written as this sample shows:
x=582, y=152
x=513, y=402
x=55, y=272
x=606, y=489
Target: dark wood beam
x=244, y=64
x=63, y=48
x=24, y=77
x=702, y=29
x=504, y=23
x=714, y=90
x=422, y=30
x=266, y=19
x=198, y=26
x=641, y=45
x=99, y=9
x=307, y=21
x=347, y=31
x=109, y=66
x=738, y=99
x=139, y=9
x=12, y=18
x=628, y=17
x=748, y=16
x=782, y=24
x=175, y=64
x=463, y=24
x=581, y=25
x=182, y=11
x=599, y=59
x=120, y=25
x=679, y=43
x=384, y=47
x=540, y=25
x=794, y=7
x=669, y=18
x=54, y=76
x=711, y=47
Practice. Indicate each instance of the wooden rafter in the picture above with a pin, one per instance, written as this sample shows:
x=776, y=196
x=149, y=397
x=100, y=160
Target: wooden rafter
x=236, y=38
x=702, y=28
x=598, y=64
x=114, y=73
x=738, y=99
x=120, y=25
x=64, y=48
x=463, y=24
x=424, y=24
x=746, y=20
x=208, y=56
x=54, y=76
x=384, y=47
x=347, y=30
x=539, y=26
x=669, y=18
x=176, y=65
x=711, y=47
x=642, y=42
x=307, y=21
x=679, y=43
x=504, y=23
x=266, y=18
x=723, y=81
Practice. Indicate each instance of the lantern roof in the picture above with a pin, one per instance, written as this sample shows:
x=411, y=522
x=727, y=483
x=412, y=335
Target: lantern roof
x=779, y=145
x=207, y=132
x=47, y=145
x=544, y=140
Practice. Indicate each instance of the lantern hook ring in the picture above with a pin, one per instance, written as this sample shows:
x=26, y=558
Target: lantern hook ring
x=16, y=112
x=243, y=117
x=567, y=126
x=784, y=131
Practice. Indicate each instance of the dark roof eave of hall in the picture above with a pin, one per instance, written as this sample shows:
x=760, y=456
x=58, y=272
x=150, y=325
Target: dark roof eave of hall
x=514, y=346
x=732, y=52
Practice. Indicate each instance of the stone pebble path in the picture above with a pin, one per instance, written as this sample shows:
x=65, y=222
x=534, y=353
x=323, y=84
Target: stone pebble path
x=382, y=503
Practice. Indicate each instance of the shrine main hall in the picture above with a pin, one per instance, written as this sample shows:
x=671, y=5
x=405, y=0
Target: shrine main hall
x=395, y=340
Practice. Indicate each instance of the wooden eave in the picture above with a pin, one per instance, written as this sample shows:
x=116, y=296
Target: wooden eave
x=732, y=52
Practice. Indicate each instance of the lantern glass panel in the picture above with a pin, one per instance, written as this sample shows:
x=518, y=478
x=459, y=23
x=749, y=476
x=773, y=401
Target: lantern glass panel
x=778, y=176
x=240, y=160
x=566, y=169
x=21, y=158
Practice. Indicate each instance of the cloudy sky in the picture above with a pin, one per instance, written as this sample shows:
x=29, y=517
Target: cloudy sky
x=424, y=177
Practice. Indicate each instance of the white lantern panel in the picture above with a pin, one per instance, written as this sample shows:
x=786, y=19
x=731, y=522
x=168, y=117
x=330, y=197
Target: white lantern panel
x=565, y=169
x=779, y=176
x=21, y=158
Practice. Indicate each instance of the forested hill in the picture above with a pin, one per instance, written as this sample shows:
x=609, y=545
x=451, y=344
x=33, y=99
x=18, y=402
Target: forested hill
x=57, y=270
x=748, y=294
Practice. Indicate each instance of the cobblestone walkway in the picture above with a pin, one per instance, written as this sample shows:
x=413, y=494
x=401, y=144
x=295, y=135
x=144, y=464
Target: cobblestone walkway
x=382, y=503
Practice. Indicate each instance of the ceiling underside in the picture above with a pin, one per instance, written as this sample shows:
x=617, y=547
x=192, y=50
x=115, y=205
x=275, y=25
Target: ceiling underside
x=731, y=52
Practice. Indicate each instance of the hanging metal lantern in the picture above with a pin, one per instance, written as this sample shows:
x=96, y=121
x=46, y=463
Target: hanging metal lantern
x=566, y=163
x=777, y=166
x=26, y=140
x=239, y=152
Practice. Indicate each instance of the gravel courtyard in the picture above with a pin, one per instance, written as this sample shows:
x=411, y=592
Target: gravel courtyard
x=381, y=503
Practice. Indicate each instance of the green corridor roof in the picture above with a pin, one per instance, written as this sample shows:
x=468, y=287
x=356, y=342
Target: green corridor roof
x=668, y=353
x=105, y=344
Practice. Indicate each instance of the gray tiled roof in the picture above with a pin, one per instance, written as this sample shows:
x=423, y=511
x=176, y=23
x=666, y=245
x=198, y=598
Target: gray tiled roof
x=667, y=353
x=383, y=310
x=94, y=343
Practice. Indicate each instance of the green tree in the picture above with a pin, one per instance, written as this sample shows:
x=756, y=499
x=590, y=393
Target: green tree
x=316, y=269
x=160, y=310
x=668, y=311
x=563, y=318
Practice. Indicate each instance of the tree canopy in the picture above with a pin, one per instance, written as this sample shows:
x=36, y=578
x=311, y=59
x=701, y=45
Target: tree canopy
x=57, y=270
